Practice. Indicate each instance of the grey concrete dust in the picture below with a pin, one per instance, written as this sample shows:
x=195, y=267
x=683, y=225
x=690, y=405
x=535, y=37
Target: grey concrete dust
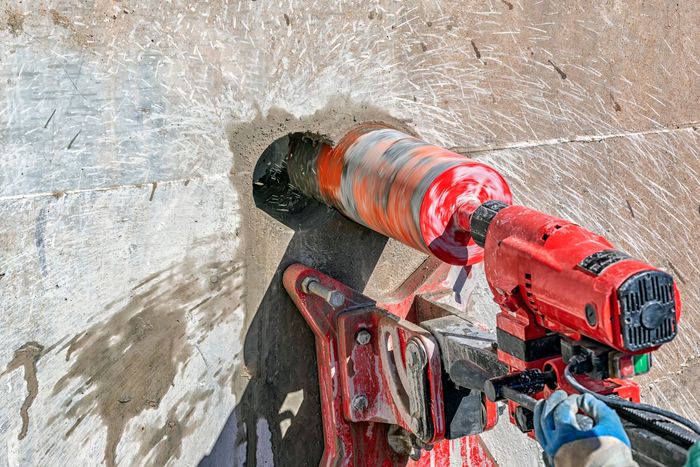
x=59, y=19
x=80, y=38
x=26, y=358
x=15, y=21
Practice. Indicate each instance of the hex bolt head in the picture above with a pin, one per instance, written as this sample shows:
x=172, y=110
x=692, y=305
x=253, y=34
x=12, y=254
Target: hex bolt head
x=363, y=337
x=335, y=298
x=360, y=402
x=311, y=285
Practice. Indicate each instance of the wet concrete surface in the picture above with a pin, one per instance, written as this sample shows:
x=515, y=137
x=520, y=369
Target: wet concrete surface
x=131, y=135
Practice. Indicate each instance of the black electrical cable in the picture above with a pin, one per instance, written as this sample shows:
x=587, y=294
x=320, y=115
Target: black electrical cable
x=621, y=403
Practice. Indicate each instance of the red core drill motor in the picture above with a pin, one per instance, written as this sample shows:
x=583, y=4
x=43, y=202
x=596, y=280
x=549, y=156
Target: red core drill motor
x=576, y=314
x=570, y=304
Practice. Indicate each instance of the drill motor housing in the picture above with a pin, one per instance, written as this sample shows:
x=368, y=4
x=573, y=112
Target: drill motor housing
x=565, y=291
x=415, y=371
x=565, y=279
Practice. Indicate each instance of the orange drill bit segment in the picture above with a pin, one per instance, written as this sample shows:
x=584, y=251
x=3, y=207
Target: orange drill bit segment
x=402, y=187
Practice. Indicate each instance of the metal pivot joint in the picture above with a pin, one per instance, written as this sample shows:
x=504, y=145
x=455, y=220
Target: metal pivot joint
x=311, y=285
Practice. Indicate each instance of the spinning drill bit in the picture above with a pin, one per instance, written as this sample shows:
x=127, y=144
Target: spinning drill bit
x=419, y=194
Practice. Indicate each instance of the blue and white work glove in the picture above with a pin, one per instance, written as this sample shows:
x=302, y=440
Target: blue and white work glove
x=693, y=456
x=566, y=444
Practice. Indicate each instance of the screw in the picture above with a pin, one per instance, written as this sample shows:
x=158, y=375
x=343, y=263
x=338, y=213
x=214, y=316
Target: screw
x=363, y=337
x=590, y=315
x=311, y=285
x=360, y=403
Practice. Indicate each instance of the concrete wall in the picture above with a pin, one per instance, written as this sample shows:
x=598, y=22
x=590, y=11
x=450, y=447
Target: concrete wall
x=142, y=320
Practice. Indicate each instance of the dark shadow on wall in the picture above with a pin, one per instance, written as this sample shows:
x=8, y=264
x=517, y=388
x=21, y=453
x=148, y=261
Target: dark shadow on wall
x=279, y=349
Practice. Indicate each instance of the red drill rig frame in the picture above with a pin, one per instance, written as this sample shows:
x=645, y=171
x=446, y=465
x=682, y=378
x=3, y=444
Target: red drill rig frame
x=377, y=410
x=381, y=375
x=407, y=380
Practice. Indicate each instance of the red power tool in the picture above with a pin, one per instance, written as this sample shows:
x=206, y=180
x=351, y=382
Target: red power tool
x=408, y=379
x=568, y=298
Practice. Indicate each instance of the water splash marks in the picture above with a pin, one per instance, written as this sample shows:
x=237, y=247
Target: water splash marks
x=26, y=357
x=125, y=365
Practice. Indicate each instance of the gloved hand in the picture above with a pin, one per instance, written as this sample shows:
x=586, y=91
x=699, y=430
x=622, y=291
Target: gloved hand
x=566, y=444
x=693, y=456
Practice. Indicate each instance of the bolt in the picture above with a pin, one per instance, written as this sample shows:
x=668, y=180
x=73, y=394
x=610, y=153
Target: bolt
x=360, y=403
x=363, y=337
x=311, y=285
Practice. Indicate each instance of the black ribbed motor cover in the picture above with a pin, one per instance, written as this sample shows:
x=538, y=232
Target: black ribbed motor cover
x=647, y=310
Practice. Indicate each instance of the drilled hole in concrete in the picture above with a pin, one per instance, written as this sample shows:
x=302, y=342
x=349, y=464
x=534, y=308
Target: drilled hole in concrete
x=272, y=190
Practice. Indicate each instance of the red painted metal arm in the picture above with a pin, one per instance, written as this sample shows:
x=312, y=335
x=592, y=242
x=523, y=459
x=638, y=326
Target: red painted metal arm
x=380, y=375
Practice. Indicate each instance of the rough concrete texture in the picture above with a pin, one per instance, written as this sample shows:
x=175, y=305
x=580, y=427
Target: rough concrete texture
x=142, y=316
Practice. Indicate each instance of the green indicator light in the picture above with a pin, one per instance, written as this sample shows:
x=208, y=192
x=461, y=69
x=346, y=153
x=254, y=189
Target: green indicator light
x=642, y=364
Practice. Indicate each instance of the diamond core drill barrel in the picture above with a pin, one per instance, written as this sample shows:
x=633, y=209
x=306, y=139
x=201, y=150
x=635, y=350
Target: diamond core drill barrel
x=419, y=194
